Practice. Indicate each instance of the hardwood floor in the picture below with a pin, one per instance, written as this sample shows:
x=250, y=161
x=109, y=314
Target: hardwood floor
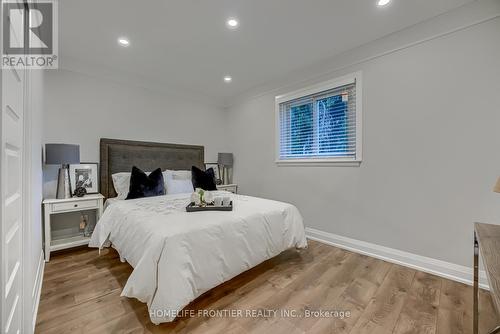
x=81, y=294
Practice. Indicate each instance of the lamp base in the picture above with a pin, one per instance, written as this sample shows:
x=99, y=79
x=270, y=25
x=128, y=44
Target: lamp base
x=63, y=185
x=226, y=179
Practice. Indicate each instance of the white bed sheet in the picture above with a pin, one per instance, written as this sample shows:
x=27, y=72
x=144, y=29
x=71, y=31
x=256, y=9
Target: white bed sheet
x=177, y=256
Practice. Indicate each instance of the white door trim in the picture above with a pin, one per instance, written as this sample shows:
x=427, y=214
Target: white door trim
x=29, y=285
x=12, y=199
x=37, y=291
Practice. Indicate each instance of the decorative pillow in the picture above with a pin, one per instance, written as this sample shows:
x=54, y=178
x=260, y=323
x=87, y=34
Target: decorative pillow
x=121, y=182
x=178, y=181
x=203, y=179
x=179, y=186
x=142, y=185
x=177, y=174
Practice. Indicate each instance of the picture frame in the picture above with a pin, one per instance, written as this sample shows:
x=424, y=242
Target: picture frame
x=86, y=175
x=215, y=167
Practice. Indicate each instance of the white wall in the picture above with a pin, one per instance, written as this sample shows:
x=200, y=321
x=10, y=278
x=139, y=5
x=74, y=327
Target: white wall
x=431, y=142
x=81, y=109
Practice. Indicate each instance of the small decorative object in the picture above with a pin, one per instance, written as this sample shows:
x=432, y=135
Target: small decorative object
x=85, y=175
x=202, y=200
x=196, y=198
x=80, y=192
x=215, y=167
x=63, y=155
x=208, y=198
x=83, y=221
x=226, y=201
x=202, y=197
x=226, y=161
x=88, y=228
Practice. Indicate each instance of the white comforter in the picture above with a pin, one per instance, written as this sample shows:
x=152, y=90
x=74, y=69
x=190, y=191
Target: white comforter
x=177, y=256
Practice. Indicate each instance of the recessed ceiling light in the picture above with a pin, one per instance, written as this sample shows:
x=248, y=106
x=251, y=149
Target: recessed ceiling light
x=123, y=41
x=232, y=23
x=383, y=2
x=227, y=78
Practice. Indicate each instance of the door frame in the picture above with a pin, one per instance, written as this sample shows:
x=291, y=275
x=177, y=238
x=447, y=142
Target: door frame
x=28, y=288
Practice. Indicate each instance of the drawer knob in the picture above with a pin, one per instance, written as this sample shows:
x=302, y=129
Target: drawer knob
x=76, y=205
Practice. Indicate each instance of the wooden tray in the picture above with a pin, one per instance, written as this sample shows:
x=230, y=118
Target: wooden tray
x=194, y=208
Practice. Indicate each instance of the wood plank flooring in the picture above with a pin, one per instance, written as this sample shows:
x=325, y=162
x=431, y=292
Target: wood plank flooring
x=81, y=294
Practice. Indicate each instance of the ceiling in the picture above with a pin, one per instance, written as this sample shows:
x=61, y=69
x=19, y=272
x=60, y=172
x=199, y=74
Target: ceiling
x=185, y=44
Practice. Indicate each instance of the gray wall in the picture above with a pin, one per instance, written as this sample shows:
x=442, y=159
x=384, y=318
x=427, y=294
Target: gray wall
x=431, y=143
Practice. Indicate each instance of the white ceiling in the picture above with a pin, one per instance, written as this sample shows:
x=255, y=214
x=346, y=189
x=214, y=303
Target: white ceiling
x=185, y=44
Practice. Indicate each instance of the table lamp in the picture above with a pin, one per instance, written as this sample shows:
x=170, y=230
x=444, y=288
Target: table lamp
x=62, y=154
x=496, y=188
x=225, y=160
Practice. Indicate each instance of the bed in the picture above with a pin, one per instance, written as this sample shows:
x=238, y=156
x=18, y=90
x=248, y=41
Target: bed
x=178, y=256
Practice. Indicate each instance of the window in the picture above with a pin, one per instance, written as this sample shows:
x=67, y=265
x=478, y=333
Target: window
x=320, y=124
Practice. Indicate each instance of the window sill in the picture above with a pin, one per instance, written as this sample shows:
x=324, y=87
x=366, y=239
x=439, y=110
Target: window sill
x=318, y=163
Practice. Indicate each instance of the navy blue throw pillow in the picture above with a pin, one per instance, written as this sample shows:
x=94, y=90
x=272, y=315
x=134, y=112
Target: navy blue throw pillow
x=142, y=185
x=203, y=179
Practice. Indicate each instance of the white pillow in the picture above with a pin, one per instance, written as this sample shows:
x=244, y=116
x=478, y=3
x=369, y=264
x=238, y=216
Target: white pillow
x=178, y=181
x=121, y=182
x=179, y=186
x=177, y=174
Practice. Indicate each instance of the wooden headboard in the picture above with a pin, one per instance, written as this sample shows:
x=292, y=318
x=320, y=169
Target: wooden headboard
x=120, y=155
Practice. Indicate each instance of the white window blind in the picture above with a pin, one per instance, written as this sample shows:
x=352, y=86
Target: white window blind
x=320, y=126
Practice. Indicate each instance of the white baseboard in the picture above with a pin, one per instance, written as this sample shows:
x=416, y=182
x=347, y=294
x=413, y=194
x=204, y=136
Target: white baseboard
x=37, y=288
x=444, y=269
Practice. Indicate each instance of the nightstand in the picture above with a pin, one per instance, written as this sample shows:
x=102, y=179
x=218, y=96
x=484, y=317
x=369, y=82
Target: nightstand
x=233, y=188
x=58, y=206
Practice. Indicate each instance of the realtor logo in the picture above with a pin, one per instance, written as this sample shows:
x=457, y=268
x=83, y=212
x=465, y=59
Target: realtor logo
x=29, y=34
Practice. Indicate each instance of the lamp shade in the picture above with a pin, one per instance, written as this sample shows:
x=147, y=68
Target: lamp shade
x=225, y=159
x=496, y=188
x=60, y=154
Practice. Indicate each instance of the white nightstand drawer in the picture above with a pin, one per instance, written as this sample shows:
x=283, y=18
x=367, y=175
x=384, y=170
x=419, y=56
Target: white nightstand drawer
x=87, y=204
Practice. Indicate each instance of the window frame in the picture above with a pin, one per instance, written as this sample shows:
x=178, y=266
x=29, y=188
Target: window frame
x=355, y=78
